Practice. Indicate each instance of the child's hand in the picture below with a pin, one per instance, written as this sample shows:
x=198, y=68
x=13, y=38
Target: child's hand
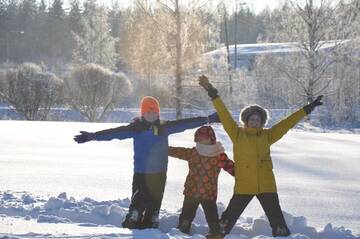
x=317, y=102
x=84, y=137
x=204, y=82
x=310, y=107
x=227, y=164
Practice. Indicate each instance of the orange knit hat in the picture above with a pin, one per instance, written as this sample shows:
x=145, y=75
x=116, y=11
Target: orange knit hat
x=148, y=104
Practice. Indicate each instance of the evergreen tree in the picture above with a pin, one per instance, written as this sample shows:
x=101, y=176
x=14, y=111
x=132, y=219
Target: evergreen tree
x=75, y=17
x=25, y=36
x=115, y=19
x=2, y=29
x=57, y=41
x=39, y=28
x=9, y=24
x=243, y=27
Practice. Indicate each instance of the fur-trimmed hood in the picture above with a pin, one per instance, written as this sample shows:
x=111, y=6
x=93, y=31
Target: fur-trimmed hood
x=249, y=110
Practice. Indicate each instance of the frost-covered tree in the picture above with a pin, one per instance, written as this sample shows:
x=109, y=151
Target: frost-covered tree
x=344, y=103
x=30, y=90
x=142, y=47
x=94, y=44
x=273, y=88
x=243, y=86
x=164, y=39
x=324, y=62
x=311, y=26
x=94, y=90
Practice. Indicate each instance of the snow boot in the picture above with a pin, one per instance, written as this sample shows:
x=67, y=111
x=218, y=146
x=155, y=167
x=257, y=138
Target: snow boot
x=281, y=231
x=223, y=225
x=214, y=236
x=132, y=220
x=151, y=222
x=184, y=226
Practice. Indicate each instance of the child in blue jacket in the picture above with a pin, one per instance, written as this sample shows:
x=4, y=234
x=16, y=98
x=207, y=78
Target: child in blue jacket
x=150, y=137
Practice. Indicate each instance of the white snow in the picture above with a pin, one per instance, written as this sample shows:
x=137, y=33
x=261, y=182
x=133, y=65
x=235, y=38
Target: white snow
x=317, y=175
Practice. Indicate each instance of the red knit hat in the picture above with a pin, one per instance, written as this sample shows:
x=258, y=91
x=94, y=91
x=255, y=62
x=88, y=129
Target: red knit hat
x=148, y=104
x=205, y=132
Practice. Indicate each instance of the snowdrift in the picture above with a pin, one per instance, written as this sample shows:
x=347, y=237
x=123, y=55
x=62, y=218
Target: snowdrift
x=90, y=213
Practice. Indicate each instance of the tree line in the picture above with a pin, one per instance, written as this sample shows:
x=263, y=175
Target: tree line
x=160, y=47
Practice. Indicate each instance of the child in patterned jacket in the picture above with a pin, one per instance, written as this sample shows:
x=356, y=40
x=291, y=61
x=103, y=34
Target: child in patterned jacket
x=205, y=162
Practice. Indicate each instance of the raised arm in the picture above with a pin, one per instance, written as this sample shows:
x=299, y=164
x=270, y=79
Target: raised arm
x=180, y=152
x=227, y=164
x=122, y=132
x=177, y=126
x=281, y=128
x=226, y=118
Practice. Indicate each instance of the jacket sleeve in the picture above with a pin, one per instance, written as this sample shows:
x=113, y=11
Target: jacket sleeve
x=177, y=126
x=122, y=132
x=281, y=128
x=226, y=118
x=227, y=164
x=180, y=152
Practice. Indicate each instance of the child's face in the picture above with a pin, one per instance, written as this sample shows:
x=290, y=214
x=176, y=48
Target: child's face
x=151, y=116
x=206, y=141
x=254, y=121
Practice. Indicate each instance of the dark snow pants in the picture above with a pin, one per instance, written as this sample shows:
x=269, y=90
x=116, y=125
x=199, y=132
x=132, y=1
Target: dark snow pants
x=188, y=214
x=269, y=202
x=147, y=195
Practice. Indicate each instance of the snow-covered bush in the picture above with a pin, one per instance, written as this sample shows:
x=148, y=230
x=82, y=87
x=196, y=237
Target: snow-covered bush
x=94, y=90
x=30, y=89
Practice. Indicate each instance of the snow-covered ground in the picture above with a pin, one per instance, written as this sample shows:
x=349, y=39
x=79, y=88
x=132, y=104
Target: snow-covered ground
x=318, y=177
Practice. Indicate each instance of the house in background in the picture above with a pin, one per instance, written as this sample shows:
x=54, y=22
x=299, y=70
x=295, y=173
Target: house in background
x=246, y=53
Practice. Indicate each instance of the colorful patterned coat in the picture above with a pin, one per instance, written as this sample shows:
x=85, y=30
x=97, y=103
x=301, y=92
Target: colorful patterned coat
x=202, y=180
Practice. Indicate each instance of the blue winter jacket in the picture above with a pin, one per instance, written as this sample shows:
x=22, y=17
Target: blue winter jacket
x=150, y=141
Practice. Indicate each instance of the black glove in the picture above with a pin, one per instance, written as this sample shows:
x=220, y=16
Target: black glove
x=212, y=91
x=84, y=137
x=214, y=118
x=310, y=107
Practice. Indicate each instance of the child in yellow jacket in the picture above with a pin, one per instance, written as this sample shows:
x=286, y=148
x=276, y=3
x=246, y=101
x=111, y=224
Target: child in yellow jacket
x=205, y=162
x=253, y=165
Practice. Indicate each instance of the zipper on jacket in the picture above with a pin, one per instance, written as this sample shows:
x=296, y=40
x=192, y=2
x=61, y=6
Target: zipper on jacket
x=257, y=165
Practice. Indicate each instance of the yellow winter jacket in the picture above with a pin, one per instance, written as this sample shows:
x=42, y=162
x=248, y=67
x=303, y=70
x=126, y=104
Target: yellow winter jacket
x=251, y=149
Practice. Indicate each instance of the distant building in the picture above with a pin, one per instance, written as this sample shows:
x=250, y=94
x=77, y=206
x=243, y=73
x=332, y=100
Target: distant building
x=246, y=53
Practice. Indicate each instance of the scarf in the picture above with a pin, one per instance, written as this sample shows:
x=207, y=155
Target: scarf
x=210, y=150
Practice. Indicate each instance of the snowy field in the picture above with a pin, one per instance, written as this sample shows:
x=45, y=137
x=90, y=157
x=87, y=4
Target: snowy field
x=317, y=174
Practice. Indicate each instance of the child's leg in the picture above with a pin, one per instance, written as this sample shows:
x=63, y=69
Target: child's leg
x=270, y=204
x=136, y=208
x=233, y=211
x=188, y=214
x=211, y=214
x=155, y=185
